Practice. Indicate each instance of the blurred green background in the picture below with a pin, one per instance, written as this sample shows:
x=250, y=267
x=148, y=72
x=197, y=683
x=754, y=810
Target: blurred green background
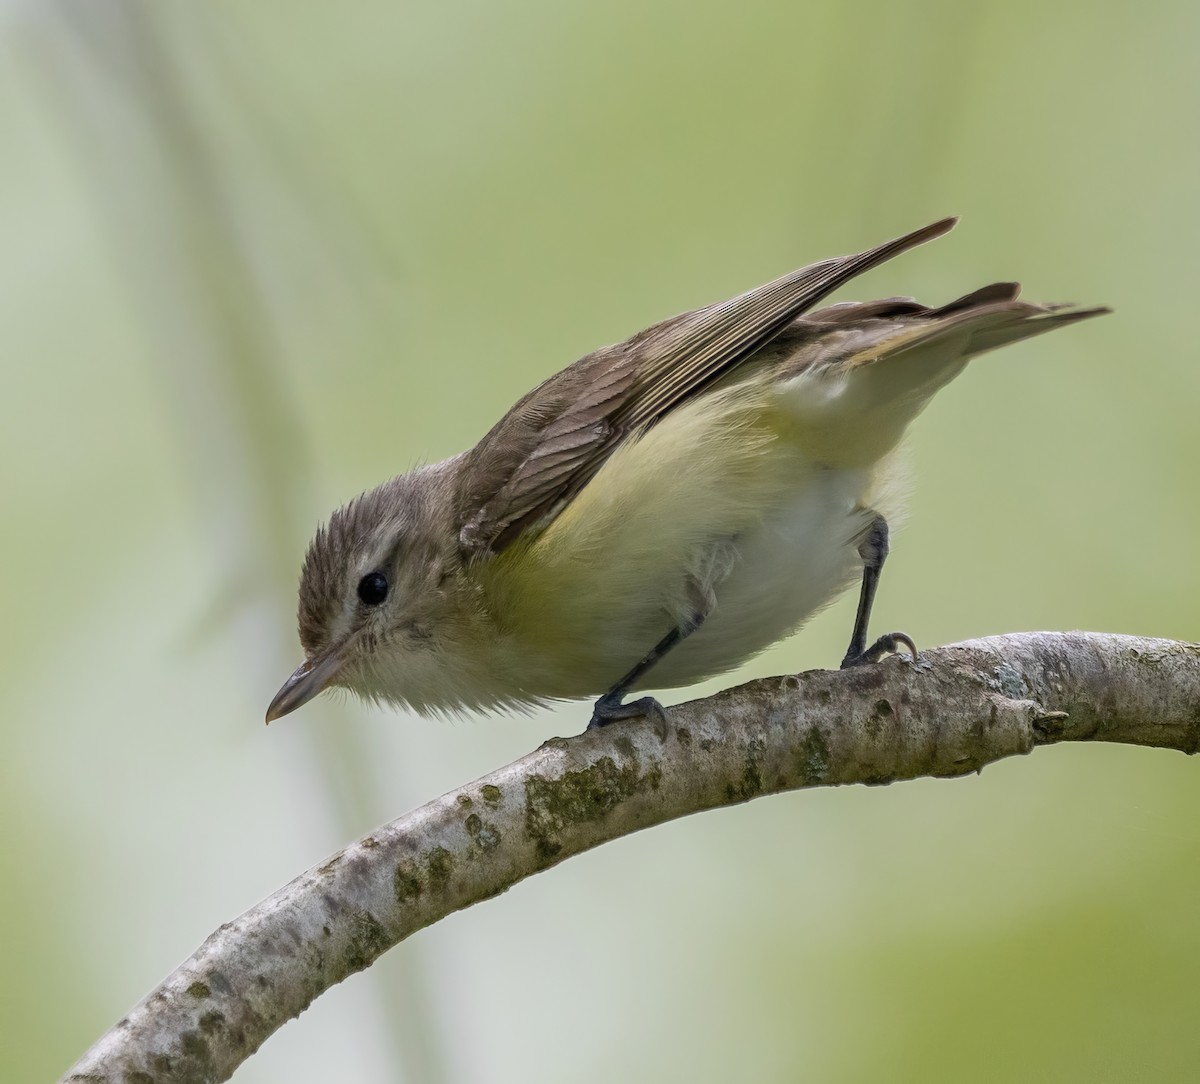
x=258, y=257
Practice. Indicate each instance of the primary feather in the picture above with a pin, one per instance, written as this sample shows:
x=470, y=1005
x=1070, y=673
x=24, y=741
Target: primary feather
x=554, y=440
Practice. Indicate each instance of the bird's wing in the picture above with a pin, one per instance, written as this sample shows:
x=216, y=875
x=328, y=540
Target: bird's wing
x=552, y=442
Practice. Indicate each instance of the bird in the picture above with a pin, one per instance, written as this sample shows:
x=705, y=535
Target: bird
x=654, y=514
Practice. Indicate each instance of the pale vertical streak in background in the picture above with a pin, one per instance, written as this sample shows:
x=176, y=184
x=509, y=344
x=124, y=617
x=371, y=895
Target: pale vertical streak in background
x=118, y=77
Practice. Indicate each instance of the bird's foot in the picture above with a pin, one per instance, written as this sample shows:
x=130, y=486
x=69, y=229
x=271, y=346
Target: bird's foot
x=888, y=644
x=610, y=709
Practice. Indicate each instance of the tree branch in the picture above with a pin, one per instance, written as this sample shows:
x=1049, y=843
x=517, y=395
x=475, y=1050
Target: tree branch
x=957, y=709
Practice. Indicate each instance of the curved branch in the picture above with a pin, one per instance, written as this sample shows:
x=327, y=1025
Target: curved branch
x=956, y=710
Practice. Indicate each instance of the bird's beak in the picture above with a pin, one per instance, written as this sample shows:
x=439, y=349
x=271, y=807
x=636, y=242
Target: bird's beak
x=316, y=674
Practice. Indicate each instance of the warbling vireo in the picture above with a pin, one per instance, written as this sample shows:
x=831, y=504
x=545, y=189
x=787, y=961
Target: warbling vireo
x=654, y=514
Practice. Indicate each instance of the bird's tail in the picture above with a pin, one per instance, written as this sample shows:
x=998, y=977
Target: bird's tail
x=857, y=374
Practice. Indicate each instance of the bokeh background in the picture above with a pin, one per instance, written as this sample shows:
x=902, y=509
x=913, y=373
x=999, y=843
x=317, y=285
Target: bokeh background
x=258, y=257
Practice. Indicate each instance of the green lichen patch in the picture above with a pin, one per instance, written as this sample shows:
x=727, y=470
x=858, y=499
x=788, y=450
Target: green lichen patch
x=199, y=990
x=432, y=870
x=813, y=761
x=750, y=785
x=485, y=835
x=407, y=884
x=882, y=715
x=491, y=794
x=212, y=1021
x=367, y=940
x=1011, y=682
x=197, y=1057
x=440, y=864
x=554, y=806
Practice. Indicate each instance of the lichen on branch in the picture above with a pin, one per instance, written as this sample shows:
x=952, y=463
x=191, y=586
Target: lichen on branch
x=952, y=712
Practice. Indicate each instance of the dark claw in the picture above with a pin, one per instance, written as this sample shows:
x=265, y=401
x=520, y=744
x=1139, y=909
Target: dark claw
x=888, y=644
x=610, y=709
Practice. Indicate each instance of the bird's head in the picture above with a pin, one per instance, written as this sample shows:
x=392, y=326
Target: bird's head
x=378, y=587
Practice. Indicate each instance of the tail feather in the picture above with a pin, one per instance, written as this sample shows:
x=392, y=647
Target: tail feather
x=1025, y=326
x=858, y=374
x=972, y=325
x=992, y=294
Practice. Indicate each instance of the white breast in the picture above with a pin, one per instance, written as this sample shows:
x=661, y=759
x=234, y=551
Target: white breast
x=796, y=561
x=725, y=492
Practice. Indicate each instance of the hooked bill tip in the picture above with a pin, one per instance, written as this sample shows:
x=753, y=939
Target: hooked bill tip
x=310, y=678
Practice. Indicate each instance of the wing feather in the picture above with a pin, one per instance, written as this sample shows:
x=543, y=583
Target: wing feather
x=547, y=448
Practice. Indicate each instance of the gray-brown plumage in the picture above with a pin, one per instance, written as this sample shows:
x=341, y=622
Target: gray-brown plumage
x=659, y=510
x=547, y=447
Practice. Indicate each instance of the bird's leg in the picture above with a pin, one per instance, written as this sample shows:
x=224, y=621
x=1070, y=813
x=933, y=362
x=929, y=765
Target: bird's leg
x=873, y=549
x=609, y=708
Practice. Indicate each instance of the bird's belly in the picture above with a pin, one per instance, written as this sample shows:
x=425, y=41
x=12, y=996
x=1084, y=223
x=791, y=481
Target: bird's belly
x=786, y=568
x=721, y=496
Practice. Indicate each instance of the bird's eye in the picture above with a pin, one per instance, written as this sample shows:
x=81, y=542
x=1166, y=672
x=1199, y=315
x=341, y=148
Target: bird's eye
x=373, y=588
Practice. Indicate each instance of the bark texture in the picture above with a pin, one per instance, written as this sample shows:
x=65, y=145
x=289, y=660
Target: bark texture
x=955, y=710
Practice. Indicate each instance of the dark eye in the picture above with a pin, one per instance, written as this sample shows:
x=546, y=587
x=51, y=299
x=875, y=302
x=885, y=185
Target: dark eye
x=373, y=588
